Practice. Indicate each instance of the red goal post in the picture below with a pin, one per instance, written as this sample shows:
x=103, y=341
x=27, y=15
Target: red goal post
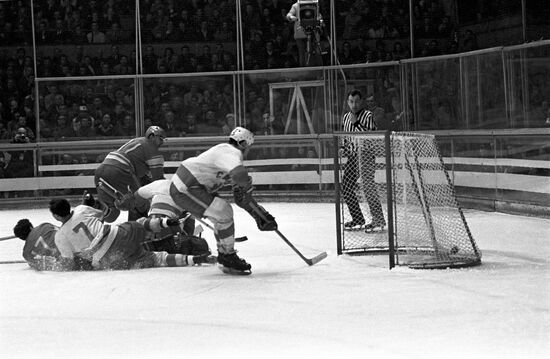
x=398, y=182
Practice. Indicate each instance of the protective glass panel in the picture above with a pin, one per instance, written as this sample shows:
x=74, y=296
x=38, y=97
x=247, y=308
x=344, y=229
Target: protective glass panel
x=484, y=94
x=293, y=102
x=381, y=93
x=437, y=95
x=188, y=36
x=83, y=109
x=190, y=106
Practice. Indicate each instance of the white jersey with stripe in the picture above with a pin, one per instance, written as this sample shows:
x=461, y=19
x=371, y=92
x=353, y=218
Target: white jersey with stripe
x=79, y=231
x=158, y=193
x=211, y=168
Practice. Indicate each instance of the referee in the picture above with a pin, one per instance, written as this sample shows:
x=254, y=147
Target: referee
x=359, y=119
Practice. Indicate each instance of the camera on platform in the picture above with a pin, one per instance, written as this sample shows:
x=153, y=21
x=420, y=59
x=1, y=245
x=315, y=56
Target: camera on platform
x=308, y=12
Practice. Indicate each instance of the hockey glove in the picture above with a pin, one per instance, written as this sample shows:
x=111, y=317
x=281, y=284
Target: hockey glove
x=170, y=222
x=126, y=202
x=264, y=220
x=145, y=180
x=205, y=258
x=88, y=199
x=43, y=263
x=82, y=264
x=191, y=245
x=243, y=194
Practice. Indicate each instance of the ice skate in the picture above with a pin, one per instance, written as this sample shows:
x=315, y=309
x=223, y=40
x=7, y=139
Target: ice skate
x=374, y=227
x=354, y=225
x=230, y=263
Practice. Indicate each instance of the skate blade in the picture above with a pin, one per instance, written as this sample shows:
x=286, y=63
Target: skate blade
x=377, y=229
x=354, y=229
x=232, y=271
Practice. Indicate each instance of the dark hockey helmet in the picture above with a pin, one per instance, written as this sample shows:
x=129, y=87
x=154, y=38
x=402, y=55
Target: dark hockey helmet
x=155, y=131
x=22, y=228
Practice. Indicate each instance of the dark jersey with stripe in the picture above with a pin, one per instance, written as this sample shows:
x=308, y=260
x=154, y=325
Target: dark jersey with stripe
x=140, y=157
x=40, y=242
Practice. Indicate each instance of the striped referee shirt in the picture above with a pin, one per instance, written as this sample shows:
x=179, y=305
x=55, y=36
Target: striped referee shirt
x=363, y=121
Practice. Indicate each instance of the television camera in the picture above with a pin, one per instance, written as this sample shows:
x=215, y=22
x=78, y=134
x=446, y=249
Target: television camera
x=308, y=14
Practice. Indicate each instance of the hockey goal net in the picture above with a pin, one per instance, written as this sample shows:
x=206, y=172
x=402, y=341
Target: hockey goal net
x=395, y=196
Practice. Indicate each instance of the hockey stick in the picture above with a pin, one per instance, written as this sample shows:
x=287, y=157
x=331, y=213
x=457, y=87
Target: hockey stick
x=114, y=193
x=309, y=261
x=158, y=239
x=13, y=262
x=7, y=237
x=111, y=190
x=209, y=226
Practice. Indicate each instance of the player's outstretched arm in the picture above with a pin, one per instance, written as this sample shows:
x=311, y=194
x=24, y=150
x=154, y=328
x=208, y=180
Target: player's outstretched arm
x=242, y=194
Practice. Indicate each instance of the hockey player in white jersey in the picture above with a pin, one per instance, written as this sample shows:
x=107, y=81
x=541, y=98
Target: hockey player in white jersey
x=195, y=186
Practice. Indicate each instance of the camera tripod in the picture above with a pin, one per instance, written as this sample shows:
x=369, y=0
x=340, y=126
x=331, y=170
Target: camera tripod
x=313, y=46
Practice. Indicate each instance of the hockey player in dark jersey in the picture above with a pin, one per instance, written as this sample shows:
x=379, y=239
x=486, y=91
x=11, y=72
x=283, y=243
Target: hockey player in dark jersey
x=133, y=165
x=83, y=236
x=84, y=242
x=40, y=250
x=39, y=243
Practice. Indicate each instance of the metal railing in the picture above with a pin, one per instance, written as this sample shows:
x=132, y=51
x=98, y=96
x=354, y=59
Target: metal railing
x=493, y=166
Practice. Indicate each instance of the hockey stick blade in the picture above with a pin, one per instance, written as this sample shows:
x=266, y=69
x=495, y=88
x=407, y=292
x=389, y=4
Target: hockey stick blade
x=317, y=258
x=309, y=261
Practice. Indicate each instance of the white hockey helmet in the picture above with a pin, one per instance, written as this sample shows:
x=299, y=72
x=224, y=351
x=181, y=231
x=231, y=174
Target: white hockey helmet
x=240, y=135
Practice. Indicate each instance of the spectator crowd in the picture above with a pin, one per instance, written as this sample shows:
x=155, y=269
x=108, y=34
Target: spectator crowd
x=96, y=38
x=95, y=41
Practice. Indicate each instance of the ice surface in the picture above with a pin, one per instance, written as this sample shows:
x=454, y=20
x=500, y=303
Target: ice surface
x=341, y=306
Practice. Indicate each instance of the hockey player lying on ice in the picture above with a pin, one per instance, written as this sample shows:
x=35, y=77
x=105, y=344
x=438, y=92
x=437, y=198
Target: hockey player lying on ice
x=154, y=199
x=84, y=242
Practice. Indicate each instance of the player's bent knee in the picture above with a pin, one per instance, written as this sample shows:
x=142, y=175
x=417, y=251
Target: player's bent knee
x=220, y=211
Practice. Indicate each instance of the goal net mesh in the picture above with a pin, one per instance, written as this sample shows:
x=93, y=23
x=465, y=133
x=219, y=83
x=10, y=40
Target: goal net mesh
x=429, y=229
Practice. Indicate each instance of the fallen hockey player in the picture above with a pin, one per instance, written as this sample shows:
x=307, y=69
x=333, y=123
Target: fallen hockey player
x=84, y=242
x=39, y=243
x=154, y=200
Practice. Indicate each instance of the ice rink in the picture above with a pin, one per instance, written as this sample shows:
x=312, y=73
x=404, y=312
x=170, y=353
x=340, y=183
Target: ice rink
x=341, y=306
